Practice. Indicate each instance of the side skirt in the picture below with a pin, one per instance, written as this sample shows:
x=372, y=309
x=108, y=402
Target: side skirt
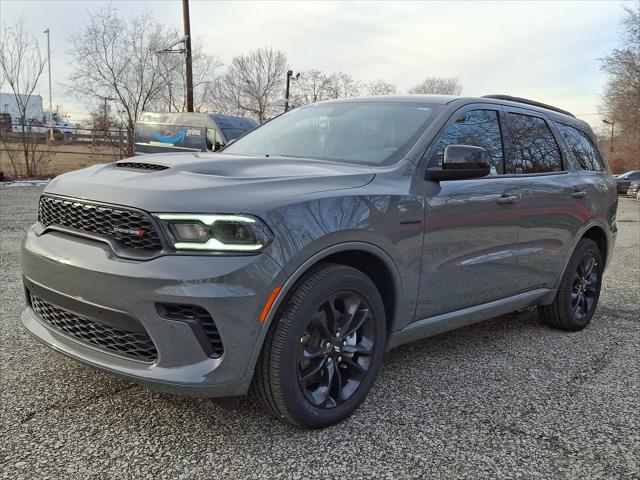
x=461, y=318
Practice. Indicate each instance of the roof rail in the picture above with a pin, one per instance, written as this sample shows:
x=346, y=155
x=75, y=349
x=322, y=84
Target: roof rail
x=528, y=102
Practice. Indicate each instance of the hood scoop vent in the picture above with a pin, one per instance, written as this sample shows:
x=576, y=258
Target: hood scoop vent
x=141, y=166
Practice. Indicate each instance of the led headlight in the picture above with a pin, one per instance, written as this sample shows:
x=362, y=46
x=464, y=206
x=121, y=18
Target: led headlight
x=215, y=233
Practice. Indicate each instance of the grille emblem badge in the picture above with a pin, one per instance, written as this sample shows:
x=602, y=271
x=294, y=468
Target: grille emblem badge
x=137, y=233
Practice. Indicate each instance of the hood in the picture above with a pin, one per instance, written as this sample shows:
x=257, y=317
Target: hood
x=206, y=182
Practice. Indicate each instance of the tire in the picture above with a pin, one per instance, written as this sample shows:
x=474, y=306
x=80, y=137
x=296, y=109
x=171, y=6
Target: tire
x=579, y=290
x=302, y=339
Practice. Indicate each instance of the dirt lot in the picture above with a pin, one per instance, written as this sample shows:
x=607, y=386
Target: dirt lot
x=507, y=398
x=60, y=158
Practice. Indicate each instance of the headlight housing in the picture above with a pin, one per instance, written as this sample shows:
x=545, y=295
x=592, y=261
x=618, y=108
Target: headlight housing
x=215, y=232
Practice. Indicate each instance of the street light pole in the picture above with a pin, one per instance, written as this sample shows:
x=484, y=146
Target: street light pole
x=612, y=123
x=50, y=100
x=286, y=92
x=187, y=46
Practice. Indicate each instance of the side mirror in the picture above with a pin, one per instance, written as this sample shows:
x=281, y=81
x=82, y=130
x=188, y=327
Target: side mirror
x=217, y=146
x=461, y=162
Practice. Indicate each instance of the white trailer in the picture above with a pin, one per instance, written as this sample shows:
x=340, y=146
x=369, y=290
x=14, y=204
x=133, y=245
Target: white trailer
x=10, y=103
x=35, y=116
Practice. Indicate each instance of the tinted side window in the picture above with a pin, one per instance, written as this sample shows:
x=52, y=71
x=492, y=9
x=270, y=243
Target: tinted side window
x=585, y=152
x=479, y=128
x=534, y=148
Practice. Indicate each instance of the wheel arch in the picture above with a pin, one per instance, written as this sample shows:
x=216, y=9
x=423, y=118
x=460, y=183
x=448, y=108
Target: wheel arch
x=599, y=236
x=597, y=232
x=373, y=267
x=366, y=257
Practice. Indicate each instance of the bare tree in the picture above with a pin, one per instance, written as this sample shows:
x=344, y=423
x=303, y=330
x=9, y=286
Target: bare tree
x=380, y=87
x=621, y=97
x=437, y=86
x=316, y=86
x=312, y=86
x=116, y=58
x=21, y=66
x=343, y=85
x=108, y=130
x=252, y=84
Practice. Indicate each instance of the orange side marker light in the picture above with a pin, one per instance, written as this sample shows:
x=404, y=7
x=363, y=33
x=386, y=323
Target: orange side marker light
x=270, y=300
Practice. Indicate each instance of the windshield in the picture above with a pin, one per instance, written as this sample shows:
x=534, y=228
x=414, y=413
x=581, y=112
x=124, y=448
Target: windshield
x=369, y=133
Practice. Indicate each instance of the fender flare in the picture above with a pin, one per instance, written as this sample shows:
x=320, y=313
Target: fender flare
x=579, y=235
x=300, y=270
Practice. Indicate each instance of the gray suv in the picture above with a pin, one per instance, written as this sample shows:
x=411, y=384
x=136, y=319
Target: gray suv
x=288, y=263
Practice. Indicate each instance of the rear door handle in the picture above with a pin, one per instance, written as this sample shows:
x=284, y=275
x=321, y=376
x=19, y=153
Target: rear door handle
x=579, y=194
x=506, y=199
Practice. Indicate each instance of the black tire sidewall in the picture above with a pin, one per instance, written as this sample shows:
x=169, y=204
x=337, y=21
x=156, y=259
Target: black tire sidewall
x=564, y=294
x=298, y=407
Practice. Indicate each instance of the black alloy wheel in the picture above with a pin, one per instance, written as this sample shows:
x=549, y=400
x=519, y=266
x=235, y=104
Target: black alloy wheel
x=577, y=296
x=323, y=349
x=585, y=286
x=336, y=349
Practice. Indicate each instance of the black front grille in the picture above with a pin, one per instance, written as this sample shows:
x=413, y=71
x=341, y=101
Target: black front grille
x=128, y=228
x=173, y=311
x=141, y=166
x=131, y=344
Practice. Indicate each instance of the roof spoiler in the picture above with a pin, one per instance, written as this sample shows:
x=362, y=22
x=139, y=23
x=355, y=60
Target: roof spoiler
x=529, y=102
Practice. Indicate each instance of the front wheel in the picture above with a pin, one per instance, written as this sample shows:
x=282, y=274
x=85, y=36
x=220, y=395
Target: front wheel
x=579, y=290
x=324, y=349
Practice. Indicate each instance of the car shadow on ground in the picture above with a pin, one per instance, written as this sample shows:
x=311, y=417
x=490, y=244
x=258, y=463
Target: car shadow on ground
x=440, y=356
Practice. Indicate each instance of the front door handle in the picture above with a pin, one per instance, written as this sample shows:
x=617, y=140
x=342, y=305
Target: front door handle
x=507, y=199
x=579, y=194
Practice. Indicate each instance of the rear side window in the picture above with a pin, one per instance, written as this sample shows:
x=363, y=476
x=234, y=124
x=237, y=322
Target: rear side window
x=534, y=147
x=479, y=128
x=583, y=149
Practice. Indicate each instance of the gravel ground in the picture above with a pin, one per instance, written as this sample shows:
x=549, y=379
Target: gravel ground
x=507, y=398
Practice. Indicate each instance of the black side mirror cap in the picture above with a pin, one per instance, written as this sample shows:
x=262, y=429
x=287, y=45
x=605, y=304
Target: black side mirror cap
x=461, y=162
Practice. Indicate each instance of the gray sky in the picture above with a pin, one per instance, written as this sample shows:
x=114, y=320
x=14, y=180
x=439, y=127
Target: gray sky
x=542, y=50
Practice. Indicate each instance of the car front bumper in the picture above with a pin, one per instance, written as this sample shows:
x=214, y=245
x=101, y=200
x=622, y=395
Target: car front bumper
x=69, y=270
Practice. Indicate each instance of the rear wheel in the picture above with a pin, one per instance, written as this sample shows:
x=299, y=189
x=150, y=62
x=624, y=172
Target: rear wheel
x=323, y=352
x=579, y=290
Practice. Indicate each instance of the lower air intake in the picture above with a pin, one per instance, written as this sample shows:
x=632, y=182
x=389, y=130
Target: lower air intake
x=131, y=344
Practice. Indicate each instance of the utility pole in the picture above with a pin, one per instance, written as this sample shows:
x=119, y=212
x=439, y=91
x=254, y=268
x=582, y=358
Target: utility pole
x=105, y=116
x=612, y=123
x=187, y=47
x=50, y=100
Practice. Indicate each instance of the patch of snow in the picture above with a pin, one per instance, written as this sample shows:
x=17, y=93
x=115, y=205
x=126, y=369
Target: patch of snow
x=26, y=183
